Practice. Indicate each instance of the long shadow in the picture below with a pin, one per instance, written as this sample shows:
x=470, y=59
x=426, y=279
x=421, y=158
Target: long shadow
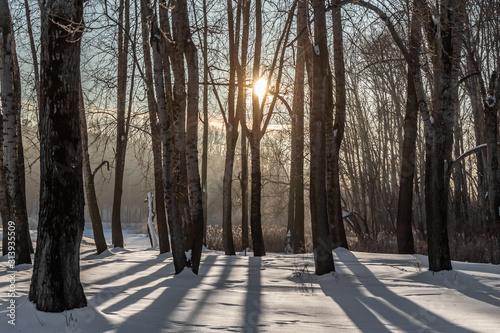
x=365, y=309
x=253, y=304
x=155, y=316
x=465, y=284
x=219, y=285
x=160, y=273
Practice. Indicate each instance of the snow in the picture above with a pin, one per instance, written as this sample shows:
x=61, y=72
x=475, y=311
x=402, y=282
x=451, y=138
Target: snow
x=134, y=290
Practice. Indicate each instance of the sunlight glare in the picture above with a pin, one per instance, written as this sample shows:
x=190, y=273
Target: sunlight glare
x=260, y=87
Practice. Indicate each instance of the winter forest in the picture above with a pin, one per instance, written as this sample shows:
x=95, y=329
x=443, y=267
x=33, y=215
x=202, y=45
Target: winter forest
x=249, y=165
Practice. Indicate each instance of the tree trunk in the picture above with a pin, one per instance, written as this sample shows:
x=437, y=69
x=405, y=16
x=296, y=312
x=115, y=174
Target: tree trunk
x=323, y=258
x=161, y=217
x=180, y=13
x=55, y=284
x=333, y=182
x=231, y=140
x=88, y=179
x=123, y=31
x=14, y=167
x=4, y=198
x=204, y=158
x=405, y=203
x=296, y=199
x=445, y=47
x=491, y=120
x=241, y=112
x=256, y=186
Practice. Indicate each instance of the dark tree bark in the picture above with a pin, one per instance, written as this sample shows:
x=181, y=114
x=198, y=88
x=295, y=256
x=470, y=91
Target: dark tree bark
x=334, y=139
x=296, y=196
x=12, y=136
x=166, y=116
x=204, y=158
x=121, y=139
x=241, y=111
x=55, y=284
x=323, y=257
x=184, y=40
x=88, y=178
x=491, y=119
x=231, y=140
x=405, y=203
x=4, y=198
x=445, y=47
x=255, y=197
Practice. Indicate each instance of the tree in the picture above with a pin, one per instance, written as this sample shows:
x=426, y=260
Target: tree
x=405, y=202
x=335, y=133
x=89, y=184
x=296, y=195
x=55, y=284
x=161, y=218
x=232, y=124
x=121, y=130
x=323, y=258
x=13, y=161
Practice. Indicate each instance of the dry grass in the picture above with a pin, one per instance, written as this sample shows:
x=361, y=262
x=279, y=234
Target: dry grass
x=274, y=239
x=480, y=248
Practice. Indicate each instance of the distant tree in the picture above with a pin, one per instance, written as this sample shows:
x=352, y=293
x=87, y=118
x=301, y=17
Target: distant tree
x=55, y=284
x=89, y=183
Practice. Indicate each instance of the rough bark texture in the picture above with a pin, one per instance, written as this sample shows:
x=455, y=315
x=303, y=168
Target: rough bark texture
x=444, y=47
x=181, y=19
x=323, y=258
x=89, y=185
x=491, y=120
x=13, y=160
x=4, y=198
x=166, y=115
x=121, y=139
x=55, y=284
x=335, y=218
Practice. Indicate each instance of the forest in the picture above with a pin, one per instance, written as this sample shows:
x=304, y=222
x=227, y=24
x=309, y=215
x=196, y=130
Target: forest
x=294, y=127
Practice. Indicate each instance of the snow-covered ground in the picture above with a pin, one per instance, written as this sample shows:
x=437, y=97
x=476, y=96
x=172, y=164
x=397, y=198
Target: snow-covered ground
x=135, y=290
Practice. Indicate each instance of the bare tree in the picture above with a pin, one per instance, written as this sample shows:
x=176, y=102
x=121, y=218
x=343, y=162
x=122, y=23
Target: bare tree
x=323, y=258
x=55, y=284
x=89, y=184
x=12, y=144
x=335, y=133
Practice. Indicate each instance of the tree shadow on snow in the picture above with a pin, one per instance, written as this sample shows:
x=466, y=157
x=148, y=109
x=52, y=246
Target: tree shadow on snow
x=163, y=297
x=373, y=307
x=253, y=304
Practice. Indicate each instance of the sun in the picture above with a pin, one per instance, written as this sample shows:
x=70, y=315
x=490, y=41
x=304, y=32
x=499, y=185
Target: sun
x=260, y=87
